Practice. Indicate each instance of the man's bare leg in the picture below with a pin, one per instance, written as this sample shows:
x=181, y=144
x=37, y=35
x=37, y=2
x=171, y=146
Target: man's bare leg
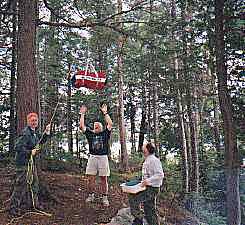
x=91, y=188
x=104, y=189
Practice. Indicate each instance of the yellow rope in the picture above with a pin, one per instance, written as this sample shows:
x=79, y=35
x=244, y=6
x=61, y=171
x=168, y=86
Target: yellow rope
x=29, y=178
x=21, y=217
x=30, y=169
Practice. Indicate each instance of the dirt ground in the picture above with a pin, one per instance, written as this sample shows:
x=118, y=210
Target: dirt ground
x=70, y=190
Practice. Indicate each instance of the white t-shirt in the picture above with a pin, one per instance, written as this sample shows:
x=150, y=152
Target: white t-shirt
x=152, y=171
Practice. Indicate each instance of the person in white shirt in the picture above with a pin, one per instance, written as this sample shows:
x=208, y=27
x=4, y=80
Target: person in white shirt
x=152, y=178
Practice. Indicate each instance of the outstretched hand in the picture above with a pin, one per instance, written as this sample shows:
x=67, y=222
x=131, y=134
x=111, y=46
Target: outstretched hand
x=83, y=109
x=103, y=108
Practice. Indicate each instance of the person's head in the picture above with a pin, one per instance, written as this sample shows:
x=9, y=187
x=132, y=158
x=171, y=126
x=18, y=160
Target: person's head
x=148, y=149
x=32, y=120
x=98, y=127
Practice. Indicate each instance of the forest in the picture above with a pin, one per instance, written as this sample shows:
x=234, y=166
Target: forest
x=175, y=77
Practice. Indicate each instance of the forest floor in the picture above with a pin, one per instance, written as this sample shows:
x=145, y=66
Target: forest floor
x=70, y=190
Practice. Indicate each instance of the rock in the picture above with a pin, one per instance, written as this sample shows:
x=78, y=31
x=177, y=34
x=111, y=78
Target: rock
x=123, y=217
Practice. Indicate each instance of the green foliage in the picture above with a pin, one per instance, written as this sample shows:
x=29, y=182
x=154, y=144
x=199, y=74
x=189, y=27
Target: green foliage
x=116, y=177
x=172, y=183
x=62, y=162
x=62, y=156
x=204, y=210
x=136, y=158
x=168, y=138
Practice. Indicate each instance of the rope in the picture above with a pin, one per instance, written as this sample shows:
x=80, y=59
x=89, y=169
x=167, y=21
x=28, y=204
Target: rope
x=30, y=169
x=51, y=120
x=20, y=217
x=29, y=179
x=97, y=75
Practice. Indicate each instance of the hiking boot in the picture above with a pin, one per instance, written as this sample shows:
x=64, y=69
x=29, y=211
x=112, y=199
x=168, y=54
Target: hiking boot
x=138, y=221
x=105, y=201
x=90, y=198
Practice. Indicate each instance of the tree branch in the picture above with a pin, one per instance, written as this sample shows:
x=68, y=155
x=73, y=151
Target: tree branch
x=53, y=11
x=134, y=8
x=80, y=25
x=129, y=21
x=85, y=23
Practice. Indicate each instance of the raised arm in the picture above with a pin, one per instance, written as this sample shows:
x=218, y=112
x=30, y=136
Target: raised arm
x=108, y=120
x=83, y=110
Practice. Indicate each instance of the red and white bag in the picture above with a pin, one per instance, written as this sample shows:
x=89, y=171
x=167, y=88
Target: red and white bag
x=93, y=80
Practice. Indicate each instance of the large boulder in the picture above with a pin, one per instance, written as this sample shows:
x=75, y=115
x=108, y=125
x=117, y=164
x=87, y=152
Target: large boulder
x=123, y=217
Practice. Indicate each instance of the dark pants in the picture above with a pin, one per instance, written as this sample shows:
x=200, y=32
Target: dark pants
x=24, y=195
x=148, y=198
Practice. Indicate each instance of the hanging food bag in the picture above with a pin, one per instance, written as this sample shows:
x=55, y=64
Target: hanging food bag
x=86, y=78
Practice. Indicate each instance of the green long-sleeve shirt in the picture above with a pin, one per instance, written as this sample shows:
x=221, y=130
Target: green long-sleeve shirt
x=27, y=141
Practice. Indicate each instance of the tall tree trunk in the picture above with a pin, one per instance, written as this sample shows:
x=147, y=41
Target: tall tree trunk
x=188, y=148
x=77, y=134
x=156, y=117
x=230, y=139
x=212, y=75
x=216, y=118
x=149, y=109
x=132, y=122
x=69, y=115
x=216, y=129
x=27, y=80
x=143, y=125
x=180, y=115
x=180, y=110
x=184, y=152
x=192, y=114
x=12, y=124
x=122, y=130
x=194, y=144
